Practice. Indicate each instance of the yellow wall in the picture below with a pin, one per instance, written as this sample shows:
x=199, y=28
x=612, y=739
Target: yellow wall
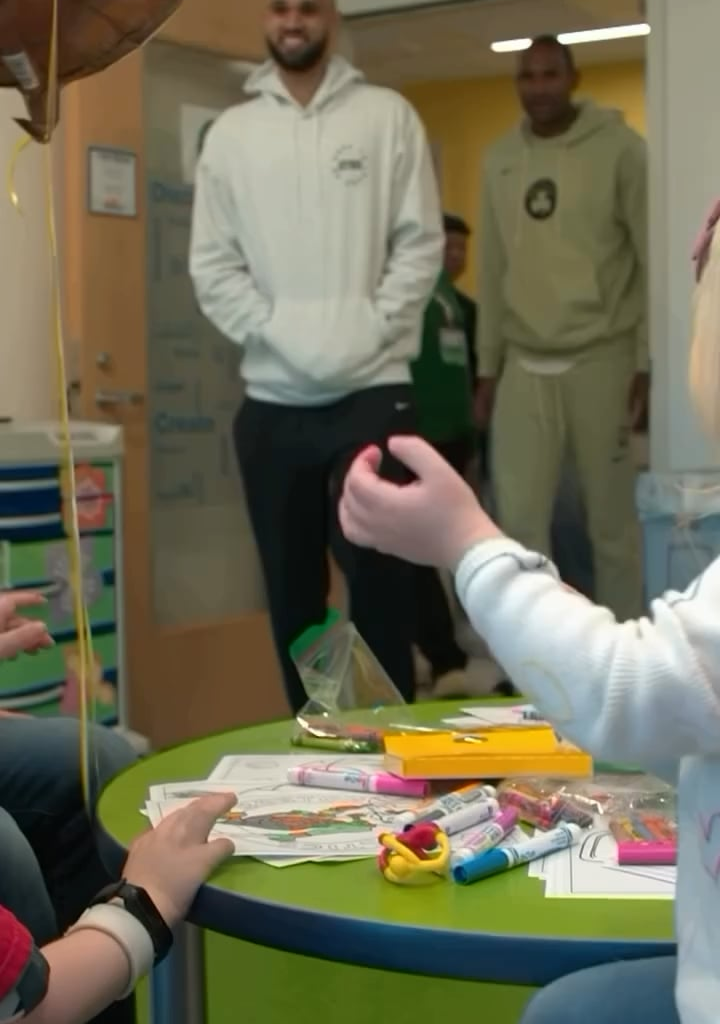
x=463, y=117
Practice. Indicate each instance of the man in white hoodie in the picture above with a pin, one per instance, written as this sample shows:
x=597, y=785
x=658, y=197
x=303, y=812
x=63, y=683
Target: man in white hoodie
x=317, y=241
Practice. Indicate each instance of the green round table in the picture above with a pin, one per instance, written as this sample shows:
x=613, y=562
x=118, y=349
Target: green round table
x=502, y=932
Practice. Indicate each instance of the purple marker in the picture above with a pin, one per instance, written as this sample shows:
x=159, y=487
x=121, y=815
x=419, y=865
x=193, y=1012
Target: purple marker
x=485, y=837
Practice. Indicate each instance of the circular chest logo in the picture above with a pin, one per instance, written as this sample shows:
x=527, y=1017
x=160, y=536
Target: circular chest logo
x=350, y=165
x=541, y=199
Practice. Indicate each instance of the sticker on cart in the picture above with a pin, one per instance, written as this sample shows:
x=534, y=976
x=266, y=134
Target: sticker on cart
x=91, y=494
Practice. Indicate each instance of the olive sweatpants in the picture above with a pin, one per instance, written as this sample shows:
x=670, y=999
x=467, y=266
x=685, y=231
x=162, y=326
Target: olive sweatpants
x=538, y=418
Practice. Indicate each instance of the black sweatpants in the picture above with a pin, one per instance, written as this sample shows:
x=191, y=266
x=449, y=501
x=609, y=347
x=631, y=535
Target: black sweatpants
x=293, y=461
x=436, y=628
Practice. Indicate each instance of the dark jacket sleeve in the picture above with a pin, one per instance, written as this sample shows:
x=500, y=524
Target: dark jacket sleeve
x=24, y=971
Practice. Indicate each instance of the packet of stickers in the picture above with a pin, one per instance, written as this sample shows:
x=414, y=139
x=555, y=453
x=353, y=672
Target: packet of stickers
x=346, y=689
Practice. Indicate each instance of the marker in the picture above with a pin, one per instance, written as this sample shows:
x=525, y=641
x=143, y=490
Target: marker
x=659, y=854
x=485, y=837
x=466, y=817
x=492, y=862
x=444, y=805
x=357, y=781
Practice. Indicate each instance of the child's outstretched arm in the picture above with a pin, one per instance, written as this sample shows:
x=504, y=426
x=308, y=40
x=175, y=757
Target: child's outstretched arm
x=644, y=691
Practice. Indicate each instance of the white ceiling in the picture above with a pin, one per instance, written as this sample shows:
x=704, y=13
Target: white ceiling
x=452, y=40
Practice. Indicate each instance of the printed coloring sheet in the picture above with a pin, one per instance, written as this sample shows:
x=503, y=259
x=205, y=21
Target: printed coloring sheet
x=291, y=821
x=283, y=824
x=590, y=870
x=265, y=771
x=501, y=716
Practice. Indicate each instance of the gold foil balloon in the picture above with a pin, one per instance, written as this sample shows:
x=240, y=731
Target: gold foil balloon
x=91, y=35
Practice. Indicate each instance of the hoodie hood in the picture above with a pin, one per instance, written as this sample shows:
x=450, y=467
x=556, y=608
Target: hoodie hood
x=590, y=120
x=317, y=236
x=266, y=81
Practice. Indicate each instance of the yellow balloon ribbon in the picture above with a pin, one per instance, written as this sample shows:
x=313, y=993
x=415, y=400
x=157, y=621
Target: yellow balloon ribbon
x=80, y=615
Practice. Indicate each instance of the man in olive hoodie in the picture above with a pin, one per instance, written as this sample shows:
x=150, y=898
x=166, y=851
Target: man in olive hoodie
x=563, y=349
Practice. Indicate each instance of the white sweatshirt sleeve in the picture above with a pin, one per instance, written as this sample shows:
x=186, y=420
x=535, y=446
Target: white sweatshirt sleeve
x=223, y=282
x=646, y=691
x=416, y=242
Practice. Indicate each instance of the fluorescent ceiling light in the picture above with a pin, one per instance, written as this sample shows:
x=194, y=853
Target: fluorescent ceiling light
x=592, y=35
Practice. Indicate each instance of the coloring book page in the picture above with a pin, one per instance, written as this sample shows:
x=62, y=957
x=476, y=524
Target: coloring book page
x=590, y=870
x=292, y=821
x=497, y=717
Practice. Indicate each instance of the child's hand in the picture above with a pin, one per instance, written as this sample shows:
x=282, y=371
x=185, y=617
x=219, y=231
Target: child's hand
x=432, y=521
x=19, y=634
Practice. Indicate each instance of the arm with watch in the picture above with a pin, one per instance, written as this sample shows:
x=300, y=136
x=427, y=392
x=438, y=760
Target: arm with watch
x=126, y=930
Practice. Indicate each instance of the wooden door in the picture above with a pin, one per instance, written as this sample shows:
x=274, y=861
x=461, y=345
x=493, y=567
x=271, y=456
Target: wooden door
x=199, y=654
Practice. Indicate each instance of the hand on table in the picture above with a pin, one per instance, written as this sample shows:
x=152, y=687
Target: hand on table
x=431, y=521
x=18, y=634
x=172, y=861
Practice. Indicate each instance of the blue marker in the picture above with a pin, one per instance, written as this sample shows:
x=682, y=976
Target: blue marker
x=492, y=862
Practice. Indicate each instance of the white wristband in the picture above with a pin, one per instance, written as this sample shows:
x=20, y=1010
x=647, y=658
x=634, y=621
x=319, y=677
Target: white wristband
x=114, y=920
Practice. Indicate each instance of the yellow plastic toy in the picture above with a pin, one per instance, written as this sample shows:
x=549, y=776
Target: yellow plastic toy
x=419, y=855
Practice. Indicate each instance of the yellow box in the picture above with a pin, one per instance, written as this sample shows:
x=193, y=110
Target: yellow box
x=497, y=754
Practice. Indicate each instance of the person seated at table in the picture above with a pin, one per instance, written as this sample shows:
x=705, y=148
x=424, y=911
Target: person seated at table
x=646, y=691
x=41, y=800
x=50, y=865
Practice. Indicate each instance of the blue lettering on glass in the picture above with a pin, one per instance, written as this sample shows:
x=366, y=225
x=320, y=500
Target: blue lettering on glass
x=183, y=491
x=162, y=192
x=173, y=330
x=167, y=423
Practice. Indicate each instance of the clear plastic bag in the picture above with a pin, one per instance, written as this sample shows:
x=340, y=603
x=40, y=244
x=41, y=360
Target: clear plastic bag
x=340, y=674
x=545, y=802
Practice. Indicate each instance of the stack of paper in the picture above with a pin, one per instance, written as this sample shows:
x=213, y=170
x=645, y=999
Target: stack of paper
x=495, y=717
x=590, y=871
x=282, y=824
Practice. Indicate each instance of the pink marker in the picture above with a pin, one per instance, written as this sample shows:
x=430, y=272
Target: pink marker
x=358, y=781
x=485, y=836
x=660, y=854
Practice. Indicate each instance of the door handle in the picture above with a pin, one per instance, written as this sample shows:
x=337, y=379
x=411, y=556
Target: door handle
x=118, y=397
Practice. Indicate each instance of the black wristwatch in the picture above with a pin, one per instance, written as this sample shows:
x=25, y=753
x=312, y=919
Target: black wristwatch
x=137, y=902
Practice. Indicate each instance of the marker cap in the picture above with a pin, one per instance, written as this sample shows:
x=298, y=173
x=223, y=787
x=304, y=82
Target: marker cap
x=490, y=863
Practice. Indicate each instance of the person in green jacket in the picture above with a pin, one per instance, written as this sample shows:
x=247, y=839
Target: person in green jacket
x=563, y=346
x=444, y=402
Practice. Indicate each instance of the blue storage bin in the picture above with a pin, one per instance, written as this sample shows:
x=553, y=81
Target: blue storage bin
x=680, y=518
x=675, y=553
x=34, y=555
